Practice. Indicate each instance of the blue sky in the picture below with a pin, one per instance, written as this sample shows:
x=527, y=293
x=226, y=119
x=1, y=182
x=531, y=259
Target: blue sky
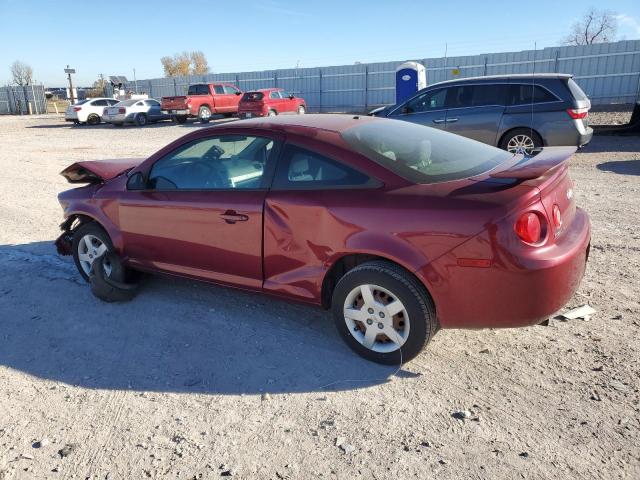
x=113, y=38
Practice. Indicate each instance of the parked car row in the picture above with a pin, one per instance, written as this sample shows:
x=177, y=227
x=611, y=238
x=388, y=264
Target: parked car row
x=201, y=102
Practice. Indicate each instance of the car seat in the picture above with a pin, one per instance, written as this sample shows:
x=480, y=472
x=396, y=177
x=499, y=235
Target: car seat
x=299, y=169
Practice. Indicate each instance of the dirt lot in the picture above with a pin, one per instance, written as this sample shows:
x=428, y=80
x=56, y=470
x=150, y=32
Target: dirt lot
x=193, y=381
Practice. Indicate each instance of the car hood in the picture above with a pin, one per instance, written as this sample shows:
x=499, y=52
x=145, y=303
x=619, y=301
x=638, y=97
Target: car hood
x=98, y=171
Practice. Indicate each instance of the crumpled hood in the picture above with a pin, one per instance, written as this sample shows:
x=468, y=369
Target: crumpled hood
x=97, y=171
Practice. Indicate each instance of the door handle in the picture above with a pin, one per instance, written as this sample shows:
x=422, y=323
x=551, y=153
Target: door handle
x=230, y=216
x=439, y=120
x=452, y=120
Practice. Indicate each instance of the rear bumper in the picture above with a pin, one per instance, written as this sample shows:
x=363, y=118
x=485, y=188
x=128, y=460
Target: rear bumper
x=250, y=114
x=515, y=291
x=181, y=112
x=585, y=137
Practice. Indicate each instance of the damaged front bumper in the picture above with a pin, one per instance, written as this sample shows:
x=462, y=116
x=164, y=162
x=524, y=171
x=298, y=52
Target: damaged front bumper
x=64, y=242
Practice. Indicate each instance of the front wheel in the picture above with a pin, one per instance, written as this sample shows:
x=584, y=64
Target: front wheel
x=383, y=313
x=90, y=241
x=522, y=141
x=140, y=119
x=301, y=110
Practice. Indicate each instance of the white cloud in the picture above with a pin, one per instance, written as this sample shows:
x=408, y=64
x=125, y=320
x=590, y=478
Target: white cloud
x=629, y=23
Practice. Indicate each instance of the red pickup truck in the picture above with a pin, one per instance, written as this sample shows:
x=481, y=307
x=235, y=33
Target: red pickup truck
x=202, y=101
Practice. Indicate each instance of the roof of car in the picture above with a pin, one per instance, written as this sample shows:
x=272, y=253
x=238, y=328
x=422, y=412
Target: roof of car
x=511, y=76
x=324, y=121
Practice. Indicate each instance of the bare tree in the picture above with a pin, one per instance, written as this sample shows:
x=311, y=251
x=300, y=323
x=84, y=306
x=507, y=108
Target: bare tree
x=597, y=26
x=22, y=73
x=185, y=63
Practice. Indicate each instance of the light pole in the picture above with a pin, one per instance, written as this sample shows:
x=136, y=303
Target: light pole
x=69, y=71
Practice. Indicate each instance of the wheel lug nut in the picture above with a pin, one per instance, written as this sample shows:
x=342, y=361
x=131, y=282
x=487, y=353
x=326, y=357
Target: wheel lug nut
x=369, y=321
x=380, y=326
x=370, y=310
x=381, y=314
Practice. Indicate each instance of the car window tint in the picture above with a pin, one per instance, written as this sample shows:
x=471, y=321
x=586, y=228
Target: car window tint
x=151, y=103
x=522, y=94
x=274, y=95
x=433, y=100
x=489, y=95
x=113, y=101
x=219, y=89
x=99, y=103
x=213, y=163
x=230, y=90
x=140, y=104
x=300, y=168
x=252, y=96
x=460, y=97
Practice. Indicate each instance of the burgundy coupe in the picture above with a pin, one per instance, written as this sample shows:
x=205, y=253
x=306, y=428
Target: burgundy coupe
x=398, y=228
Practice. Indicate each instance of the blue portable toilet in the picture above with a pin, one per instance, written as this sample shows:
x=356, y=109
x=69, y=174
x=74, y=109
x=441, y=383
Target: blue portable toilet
x=410, y=77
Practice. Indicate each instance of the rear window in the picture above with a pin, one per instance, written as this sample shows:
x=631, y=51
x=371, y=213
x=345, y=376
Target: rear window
x=576, y=91
x=421, y=154
x=526, y=93
x=198, y=90
x=252, y=96
x=126, y=103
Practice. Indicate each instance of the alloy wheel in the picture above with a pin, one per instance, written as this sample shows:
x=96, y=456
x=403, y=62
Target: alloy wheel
x=376, y=318
x=91, y=247
x=521, y=144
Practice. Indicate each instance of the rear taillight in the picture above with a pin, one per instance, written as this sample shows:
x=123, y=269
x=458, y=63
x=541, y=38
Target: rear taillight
x=529, y=227
x=122, y=110
x=557, y=216
x=77, y=109
x=578, y=113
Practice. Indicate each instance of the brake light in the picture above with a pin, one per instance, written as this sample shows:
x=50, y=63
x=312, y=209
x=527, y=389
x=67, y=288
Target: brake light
x=578, y=113
x=77, y=109
x=122, y=110
x=557, y=216
x=529, y=227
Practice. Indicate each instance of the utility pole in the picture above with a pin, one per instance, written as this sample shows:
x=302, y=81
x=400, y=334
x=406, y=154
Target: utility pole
x=69, y=71
x=135, y=81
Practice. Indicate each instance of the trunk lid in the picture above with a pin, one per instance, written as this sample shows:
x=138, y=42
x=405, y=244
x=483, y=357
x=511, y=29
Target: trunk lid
x=98, y=171
x=174, y=103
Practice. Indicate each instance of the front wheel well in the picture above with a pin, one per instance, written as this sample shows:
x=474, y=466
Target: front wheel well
x=511, y=130
x=342, y=266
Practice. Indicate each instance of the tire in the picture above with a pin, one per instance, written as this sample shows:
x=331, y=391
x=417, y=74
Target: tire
x=415, y=325
x=91, y=229
x=301, y=110
x=521, y=140
x=118, y=124
x=76, y=122
x=204, y=114
x=180, y=119
x=272, y=113
x=140, y=119
x=93, y=119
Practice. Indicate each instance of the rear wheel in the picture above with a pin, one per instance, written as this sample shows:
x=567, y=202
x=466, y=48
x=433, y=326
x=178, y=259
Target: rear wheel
x=93, y=119
x=383, y=313
x=180, y=119
x=523, y=141
x=204, y=114
x=301, y=110
x=140, y=119
x=272, y=113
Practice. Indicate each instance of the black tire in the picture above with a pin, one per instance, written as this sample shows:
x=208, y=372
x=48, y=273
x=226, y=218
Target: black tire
x=204, y=114
x=180, y=119
x=76, y=122
x=526, y=132
x=91, y=228
x=406, y=288
x=302, y=110
x=93, y=119
x=272, y=113
x=140, y=119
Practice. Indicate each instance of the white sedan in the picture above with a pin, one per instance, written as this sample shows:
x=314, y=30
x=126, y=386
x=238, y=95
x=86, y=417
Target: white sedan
x=88, y=111
x=135, y=111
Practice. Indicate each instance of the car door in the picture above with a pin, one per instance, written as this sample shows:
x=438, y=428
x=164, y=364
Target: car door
x=275, y=101
x=288, y=104
x=427, y=108
x=475, y=111
x=153, y=110
x=199, y=210
x=233, y=94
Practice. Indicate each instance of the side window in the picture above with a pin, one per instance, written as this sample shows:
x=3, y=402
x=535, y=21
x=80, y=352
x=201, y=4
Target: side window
x=140, y=104
x=489, y=94
x=214, y=163
x=152, y=103
x=433, y=100
x=230, y=90
x=274, y=95
x=113, y=101
x=99, y=103
x=218, y=89
x=302, y=168
x=522, y=94
x=460, y=97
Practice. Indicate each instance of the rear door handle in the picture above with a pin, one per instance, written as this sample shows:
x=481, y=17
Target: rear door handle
x=230, y=216
x=439, y=120
x=452, y=120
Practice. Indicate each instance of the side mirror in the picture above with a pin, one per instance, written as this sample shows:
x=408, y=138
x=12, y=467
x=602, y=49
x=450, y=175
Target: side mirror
x=292, y=96
x=136, y=182
x=238, y=93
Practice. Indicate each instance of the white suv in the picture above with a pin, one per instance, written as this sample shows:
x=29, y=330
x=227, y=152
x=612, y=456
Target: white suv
x=88, y=111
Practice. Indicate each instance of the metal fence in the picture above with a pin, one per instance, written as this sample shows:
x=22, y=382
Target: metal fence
x=22, y=100
x=607, y=72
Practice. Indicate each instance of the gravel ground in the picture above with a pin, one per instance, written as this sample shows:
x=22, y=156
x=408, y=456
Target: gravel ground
x=193, y=381
x=619, y=116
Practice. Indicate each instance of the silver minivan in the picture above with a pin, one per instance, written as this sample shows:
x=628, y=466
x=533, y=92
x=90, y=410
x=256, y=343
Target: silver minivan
x=518, y=113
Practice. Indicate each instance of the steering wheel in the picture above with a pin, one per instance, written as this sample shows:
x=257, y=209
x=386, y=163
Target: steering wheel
x=214, y=177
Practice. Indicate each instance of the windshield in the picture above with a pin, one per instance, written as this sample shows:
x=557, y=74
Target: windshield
x=422, y=154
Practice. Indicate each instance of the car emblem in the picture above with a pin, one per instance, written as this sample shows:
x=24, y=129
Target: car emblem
x=569, y=193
